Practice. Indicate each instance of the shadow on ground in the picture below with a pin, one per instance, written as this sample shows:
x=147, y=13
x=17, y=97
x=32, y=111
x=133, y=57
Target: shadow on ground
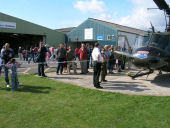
x=162, y=80
x=35, y=89
x=63, y=78
x=129, y=86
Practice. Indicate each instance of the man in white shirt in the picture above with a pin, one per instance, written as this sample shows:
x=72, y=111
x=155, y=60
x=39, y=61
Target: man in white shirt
x=97, y=59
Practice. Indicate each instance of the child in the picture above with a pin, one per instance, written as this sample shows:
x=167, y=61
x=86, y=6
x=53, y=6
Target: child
x=13, y=65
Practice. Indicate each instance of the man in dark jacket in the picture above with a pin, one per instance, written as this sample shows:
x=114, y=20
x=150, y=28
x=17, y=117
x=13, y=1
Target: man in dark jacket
x=41, y=62
x=61, y=56
x=7, y=55
x=70, y=60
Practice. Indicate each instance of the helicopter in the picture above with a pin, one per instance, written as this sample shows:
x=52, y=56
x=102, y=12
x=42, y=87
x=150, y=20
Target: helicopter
x=152, y=51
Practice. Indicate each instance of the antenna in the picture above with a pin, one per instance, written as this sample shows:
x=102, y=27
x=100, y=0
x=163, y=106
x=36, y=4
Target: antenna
x=152, y=27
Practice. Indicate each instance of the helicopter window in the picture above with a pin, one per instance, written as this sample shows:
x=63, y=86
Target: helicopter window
x=122, y=43
x=160, y=41
x=141, y=41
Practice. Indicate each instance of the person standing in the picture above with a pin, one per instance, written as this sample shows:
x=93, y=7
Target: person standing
x=0, y=64
x=3, y=48
x=13, y=65
x=31, y=55
x=103, y=66
x=20, y=53
x=70, y=59
x=76, y=53
x=97, y=59
x=42, y=51
x=83, y=59
x=61, y=55
x=35, y=51
x=7, y=55
x=111, y=62
x=52, y=53
x=90, y=52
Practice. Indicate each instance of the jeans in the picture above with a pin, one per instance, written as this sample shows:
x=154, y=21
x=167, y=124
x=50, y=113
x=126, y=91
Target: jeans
x=96, y=74
x=6, y=74
x=91, y=64
x=0, y=70
x=111, y=66
x=41, y=69
x=31, y=57
x=14, y=81
x=60, y=65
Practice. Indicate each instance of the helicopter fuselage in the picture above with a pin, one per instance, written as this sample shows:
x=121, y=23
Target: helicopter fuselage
x=150, y=58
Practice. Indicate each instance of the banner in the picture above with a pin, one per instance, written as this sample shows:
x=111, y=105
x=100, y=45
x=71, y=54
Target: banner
x=5, y=24
x=88, y=33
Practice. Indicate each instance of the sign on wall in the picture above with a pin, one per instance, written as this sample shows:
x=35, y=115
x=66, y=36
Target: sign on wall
x=88, y=33
x=5, y=24
x=100, y=37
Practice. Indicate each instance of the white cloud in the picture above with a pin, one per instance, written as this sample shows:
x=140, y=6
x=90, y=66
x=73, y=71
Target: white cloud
x=94, y=6
x=140, y=17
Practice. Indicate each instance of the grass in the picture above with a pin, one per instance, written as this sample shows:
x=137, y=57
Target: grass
x=44, y=103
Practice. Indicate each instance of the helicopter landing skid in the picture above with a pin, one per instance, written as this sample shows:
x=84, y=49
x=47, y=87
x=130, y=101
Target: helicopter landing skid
x=142, y=74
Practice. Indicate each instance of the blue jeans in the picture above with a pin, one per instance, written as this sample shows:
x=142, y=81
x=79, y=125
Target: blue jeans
x=6, y=74
x=0, y=69
x=60, y=65
x=91, y=62
x=31, y=57
x=14, y=81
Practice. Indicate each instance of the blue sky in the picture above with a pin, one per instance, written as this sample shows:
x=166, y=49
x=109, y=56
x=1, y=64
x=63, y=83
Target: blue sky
x=67, y=13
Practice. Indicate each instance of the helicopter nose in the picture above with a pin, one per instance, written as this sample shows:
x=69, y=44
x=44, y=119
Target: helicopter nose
x=141, y=59
x=141, y=55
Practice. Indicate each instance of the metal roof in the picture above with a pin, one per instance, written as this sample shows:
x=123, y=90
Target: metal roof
x=122, y=28
x=65, y=30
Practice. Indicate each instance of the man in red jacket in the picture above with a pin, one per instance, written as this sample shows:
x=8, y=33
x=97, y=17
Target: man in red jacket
x=83, y=58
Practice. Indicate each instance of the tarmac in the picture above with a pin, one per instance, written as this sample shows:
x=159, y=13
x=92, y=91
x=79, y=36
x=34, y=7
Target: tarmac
x=155, y=85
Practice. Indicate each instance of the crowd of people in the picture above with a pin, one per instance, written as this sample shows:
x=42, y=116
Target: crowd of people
x=102, y=59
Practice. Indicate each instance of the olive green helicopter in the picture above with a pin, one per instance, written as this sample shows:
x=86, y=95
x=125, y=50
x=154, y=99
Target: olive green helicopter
x=152, y=51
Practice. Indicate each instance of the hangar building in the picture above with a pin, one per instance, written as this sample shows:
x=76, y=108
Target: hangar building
x=105, y=33
x=19, y=32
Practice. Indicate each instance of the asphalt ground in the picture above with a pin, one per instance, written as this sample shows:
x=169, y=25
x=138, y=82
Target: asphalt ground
x=154, y=84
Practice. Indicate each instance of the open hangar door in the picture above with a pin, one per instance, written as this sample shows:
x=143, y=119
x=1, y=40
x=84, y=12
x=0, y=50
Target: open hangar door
x=20, y=40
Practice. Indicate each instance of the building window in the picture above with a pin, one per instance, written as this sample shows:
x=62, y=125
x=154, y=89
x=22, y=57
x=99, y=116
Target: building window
x=76, y=38
x=110, y=37
x=69, y=39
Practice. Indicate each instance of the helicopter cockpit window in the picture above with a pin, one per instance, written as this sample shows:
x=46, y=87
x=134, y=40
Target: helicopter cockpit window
x=161, y=41
x=141, y=41
x=122, y=44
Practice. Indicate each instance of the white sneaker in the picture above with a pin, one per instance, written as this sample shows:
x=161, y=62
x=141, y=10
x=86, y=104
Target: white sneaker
x=7, y=85
x=20, y=84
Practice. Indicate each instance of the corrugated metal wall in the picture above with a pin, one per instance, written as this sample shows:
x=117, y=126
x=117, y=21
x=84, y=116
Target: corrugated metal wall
x=78, y=34
x=24, y=27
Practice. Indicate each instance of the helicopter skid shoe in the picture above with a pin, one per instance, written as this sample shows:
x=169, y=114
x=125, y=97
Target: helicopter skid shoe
x=140, y=74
